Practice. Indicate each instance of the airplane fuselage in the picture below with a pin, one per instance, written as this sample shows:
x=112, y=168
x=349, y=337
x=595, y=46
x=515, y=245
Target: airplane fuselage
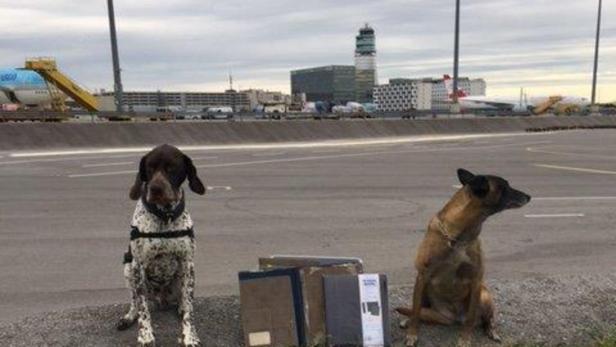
x=25, y=87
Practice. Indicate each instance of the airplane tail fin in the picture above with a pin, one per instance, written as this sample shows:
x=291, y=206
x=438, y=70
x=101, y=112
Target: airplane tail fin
x=449, y=85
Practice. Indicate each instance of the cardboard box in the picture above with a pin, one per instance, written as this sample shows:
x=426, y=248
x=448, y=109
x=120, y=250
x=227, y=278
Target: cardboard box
x=286, y=261
x=272, y=308
x=357, y=310
x=311, y=271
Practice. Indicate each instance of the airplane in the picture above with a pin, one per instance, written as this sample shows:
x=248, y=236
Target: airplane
x=23, y=87
x=536, y=105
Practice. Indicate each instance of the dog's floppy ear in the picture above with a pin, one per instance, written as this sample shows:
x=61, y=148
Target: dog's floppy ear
x=193, y=180
x=135, y=190
x=465, y=176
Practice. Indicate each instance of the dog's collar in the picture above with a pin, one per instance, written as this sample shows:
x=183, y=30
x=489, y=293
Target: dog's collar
x=452, y=241
x=167, y=215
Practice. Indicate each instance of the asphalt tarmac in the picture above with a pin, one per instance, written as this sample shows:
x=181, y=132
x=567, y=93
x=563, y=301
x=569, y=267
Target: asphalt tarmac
x=64, y=219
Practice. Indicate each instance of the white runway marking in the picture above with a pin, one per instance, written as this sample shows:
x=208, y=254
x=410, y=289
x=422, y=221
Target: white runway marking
x=564, y=198
x=287, y=145
x=30, y=161
x=585, y=155
x=100, y=174
x=205, y=158
x=325, y=151
x=577, y=169
x=271, y=154
x=555, y=215
x=108, y=164
x=227, y=188
x=308, y=158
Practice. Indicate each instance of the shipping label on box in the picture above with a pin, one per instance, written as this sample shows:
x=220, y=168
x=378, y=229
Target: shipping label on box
x=371, y=310
x=357, y=310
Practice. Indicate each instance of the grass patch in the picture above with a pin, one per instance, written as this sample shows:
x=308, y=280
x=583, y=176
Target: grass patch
x=603, y=340
x=608, y=340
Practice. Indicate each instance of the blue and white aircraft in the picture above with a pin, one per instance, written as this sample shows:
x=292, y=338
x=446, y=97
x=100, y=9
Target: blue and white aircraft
x=25, y=87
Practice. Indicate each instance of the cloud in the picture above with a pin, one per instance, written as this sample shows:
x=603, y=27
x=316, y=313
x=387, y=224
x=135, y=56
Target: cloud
x=543, y=45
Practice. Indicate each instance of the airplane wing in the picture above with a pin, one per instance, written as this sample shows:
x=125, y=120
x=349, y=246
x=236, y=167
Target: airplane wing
x=484, y=102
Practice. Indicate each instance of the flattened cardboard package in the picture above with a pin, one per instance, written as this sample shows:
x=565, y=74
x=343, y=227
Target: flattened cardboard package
x=311, y=272
x=357, y=310
x=286, y=261
x=272, y=308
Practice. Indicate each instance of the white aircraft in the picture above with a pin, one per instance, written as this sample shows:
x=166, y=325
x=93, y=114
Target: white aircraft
x=350, y=107
x=537, y=105
x=23, y=87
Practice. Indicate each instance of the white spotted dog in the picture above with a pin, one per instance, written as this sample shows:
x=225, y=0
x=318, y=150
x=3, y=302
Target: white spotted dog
x=159, y=263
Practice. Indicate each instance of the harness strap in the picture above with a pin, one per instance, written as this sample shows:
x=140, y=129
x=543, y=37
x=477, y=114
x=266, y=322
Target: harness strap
x=136, y=234
x=174, y=234
x=128, y=256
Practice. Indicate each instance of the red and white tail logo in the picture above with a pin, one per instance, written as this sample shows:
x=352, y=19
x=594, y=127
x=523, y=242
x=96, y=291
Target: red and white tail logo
x=449, y=85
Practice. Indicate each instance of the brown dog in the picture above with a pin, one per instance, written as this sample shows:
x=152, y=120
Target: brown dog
x=449, y=287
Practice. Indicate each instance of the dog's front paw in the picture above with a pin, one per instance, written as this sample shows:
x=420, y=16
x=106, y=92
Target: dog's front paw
x=190, y=343
x=464, y=342
x=125, y=323
x=146, y=339
x=492, y=335
x=189, y=338
x=411, y=341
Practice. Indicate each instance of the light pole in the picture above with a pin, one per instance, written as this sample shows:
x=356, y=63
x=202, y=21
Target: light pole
x=455, y=108
x=594, y=73
x=117, y=79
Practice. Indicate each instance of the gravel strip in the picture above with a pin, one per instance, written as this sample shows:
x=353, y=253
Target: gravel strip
x=562, y=311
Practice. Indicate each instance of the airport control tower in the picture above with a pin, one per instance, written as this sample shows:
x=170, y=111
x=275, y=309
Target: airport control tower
x=365, y=64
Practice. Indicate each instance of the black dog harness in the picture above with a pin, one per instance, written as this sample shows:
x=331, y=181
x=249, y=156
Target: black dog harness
x=173, y=234
x=163, y=215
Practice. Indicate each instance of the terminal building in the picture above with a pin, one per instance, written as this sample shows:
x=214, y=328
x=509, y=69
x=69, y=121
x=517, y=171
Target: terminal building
x=334, y=83
x=181, y=101
x=403, y=94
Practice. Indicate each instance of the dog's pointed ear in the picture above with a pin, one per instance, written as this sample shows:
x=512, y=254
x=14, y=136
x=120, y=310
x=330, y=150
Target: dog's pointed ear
x=135, y=190
x=465, y=176
x=194, y=182
x=480, y=186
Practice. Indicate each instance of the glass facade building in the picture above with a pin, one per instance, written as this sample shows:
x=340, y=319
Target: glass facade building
x=333, y=83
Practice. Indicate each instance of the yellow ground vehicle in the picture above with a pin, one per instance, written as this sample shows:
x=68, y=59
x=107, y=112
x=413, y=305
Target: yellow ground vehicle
x=546, y=105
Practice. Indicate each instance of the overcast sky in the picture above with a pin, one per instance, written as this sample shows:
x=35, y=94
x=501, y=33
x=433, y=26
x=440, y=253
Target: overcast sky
x=545, y=46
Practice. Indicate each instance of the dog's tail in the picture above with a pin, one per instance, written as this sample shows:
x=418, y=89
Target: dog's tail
x=405, y=311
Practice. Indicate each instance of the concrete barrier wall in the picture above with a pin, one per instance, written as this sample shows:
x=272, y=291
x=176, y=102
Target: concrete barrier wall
x=21, y=136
